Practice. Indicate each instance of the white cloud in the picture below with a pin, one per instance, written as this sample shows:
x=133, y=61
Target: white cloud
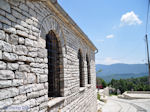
x=110, y=36
x=107, y=61
x=130, y=18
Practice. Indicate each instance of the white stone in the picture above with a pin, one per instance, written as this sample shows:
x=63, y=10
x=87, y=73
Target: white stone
x=2, y=35
x=17, y=82
x=42, y=53
x=43, y=78
x=12, y=66
x=24, y=68
x=8, y=92
x=5, y=83
x=6, y=74
x=0, y=54
x=2, y=65
x=5, y=103
x=22, y=33
x=33, y=95
x=32, y=54
x=9, y=29
x=31, y=78
x=5, y=6
x=21, y=40
x=37, y=70
x=29, y=59
x=4, y=46
x=21, y=75
x=20, y=99
x=20, y=50
x=29, y=42
x=12, y=39
x=9, y=56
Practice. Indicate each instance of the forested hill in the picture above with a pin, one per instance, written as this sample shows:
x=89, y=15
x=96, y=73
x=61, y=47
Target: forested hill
x=121, y=71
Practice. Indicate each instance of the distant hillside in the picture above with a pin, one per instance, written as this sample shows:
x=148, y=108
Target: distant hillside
x=121, y=71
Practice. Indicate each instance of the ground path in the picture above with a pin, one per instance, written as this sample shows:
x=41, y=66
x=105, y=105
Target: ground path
x=115, y=104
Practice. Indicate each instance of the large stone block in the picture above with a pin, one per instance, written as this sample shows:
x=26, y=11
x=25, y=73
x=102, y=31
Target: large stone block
x=2, y=65
x=33, y=95
x=17, y=82
x=22, y=33
x=12, y=66
x=6, y=74
x=9, y=56
x=9, y=29
x=23, y=7
x=8, y=92
x=10, y=17
x=29, y=42
x=12, y=39
x=32, y=54
x=2, y=35
x=42, y=53
x=42, y=78
x=24, y=68
x=31, y=78
x=5, y=83
x=5, y=103
x=4, y=46
x=20, y=99
x=20, y=50
x=21, y=40
x=37, y=70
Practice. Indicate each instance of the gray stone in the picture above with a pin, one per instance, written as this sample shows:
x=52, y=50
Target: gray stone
x=20, y=99
x=43, y=92
x=8, y=92
x=21, y=75
x=35, y=29
x=17, y=82
x=20, y=50
x=42, y=53
x=9, y=56
x=22, y=58
x=43, y=78
x=5, y=103
x=12, y=66
x=10, y=17
x=32, y=37
x=2, y=65
x=24, y=68
x=38, y=65
x=38, y=87
x=6, y=74
x=2, y=35
x=29, y=42
x=29, y=21
x=35, y=109
x=32, y=54
x=23, y=7
x=12, y=39
x=26, y=88
x=5, y=83
x=5, y=6
x=22, y=33
x=5, y=20
x=31, y=78
x=38, y=60
x=2, y=12
x=32, y=49
x=21, y=40
x=17, y=15
x=33, y=95
x=29, y=59
x=37, y=70
x=9, y=29
x=4, y=46
x=0, y=54
x=1, y=26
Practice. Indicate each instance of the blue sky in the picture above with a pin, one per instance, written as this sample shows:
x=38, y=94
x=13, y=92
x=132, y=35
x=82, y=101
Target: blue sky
x=116, y=27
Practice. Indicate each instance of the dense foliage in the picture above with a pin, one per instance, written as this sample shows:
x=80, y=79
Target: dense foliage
x=136, y=84
x=100, y=83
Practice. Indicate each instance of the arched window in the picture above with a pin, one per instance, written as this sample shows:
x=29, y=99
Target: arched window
x=81, y=68
x=88, y=70
x=52, y=46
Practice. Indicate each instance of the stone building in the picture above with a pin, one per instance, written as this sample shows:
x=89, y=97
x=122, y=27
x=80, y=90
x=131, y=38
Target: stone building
x=46, y=62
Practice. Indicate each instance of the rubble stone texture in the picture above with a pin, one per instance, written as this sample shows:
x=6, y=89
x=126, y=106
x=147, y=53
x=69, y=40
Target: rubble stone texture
x=24, y=64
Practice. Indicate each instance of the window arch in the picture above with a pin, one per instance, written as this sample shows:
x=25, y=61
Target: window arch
x=53, y=50
x=81, y=76
x=88, y=70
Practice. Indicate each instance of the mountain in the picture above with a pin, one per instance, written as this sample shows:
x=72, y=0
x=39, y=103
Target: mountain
x=121, y=71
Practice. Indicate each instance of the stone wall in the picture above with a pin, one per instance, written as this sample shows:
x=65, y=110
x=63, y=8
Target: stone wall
x=23, y=61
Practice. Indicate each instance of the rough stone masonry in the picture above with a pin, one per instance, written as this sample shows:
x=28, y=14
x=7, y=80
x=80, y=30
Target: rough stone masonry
x=24, y=63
